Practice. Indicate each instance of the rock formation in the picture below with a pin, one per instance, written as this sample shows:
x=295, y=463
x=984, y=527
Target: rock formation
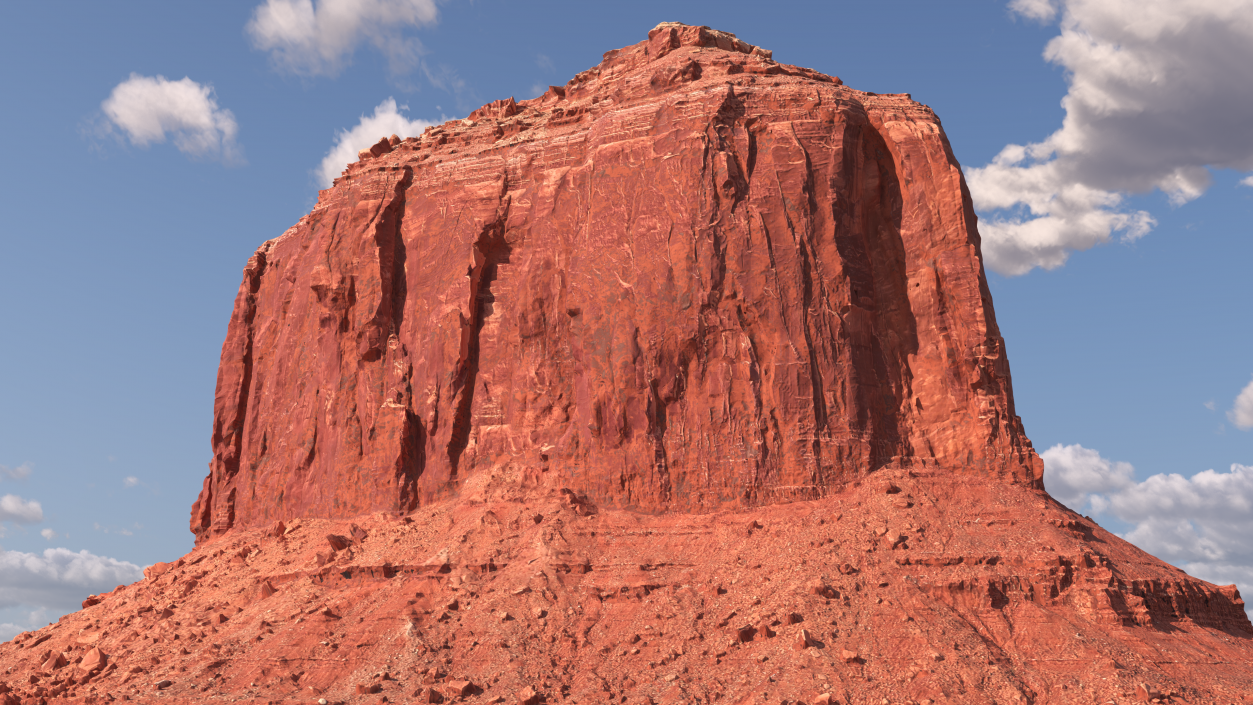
x=678, y=384
x=690, y=279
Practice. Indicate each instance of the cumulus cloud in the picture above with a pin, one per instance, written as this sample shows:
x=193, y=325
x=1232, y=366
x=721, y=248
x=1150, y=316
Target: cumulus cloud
x=1247, y=181
x=387, y=120
x=20, y=511
x=1242, y=413
x=48, y=534
x=131, y=481
x=319, y=38
x=1200, y=523
x=20, y=472
x=59, y=579
x=1079, y=477
x=1153, y=103
x=149, y=109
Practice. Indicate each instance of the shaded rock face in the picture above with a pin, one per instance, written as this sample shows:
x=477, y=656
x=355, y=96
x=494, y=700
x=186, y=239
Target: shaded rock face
x=690, y=279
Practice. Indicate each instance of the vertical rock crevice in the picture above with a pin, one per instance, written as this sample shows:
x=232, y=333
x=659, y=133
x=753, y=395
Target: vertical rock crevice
x=489, y=252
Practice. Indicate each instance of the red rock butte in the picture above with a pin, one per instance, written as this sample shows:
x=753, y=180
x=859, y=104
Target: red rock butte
x=690, y=279
x=677, y=384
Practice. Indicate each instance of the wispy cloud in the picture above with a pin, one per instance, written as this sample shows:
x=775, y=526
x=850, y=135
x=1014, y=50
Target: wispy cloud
x=131, y=481
x=148, y=109
x=1150, y=105
x=319, y=39
x=122, y=531
x=20, y=472
x=27, y=619
x=387, y=120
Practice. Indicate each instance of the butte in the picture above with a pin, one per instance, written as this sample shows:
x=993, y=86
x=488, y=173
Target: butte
x=680, y=383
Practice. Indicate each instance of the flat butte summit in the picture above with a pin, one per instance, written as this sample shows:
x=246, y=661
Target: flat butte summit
x=680, y=383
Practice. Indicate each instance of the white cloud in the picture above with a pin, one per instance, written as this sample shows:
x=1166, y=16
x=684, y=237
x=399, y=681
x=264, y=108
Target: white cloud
x=20, y=472
x=48, y=534
x=1153, y=103
x=312, y=39
x=1039, y=10
x=387, y=120
x=1247, y=181
x=20, y=511
x=58, y=578
x=131, y=481
x=1242, y=413
x=149, y=109
x=1200, y=523
x=1078, y=477
x=1204, y=519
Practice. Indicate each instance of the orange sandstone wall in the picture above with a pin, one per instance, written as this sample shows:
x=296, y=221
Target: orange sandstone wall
x=691, y=278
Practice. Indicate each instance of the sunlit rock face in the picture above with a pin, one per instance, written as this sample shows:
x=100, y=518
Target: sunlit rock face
x=690, y=279
x=679, y=384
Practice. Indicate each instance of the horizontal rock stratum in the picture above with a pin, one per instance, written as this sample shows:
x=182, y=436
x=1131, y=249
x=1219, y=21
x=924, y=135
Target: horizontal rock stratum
x=679, y=384
x=690, y=279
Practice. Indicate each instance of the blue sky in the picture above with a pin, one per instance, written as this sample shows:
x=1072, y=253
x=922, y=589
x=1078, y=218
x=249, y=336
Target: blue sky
x=131, y=199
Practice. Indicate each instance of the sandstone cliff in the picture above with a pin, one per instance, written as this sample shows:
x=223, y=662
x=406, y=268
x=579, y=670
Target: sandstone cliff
x=691, y=278
x=679, y=384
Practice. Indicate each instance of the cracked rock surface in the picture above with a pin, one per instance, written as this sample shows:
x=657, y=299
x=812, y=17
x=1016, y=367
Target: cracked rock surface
x=691, y=279
x=678, y=384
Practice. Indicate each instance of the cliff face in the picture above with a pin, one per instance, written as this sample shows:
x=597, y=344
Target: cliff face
x=691, y=278
x=536, y=384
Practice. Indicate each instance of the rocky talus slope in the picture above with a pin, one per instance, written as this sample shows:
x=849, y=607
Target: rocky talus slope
x=909, y=587
x=678, y=384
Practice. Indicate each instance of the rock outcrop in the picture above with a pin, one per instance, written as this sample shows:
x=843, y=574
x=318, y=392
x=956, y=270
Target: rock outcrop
x=690, y=279
x=679, y=384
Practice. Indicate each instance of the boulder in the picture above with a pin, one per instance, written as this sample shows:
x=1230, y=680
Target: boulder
x=94, y=660
x=54, y=661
